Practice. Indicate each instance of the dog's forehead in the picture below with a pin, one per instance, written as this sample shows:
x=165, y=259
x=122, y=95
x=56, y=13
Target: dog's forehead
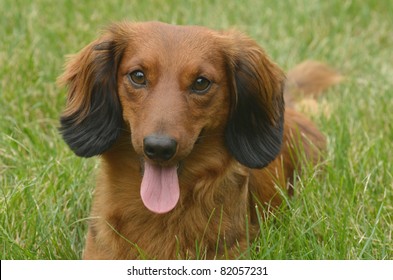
x=173, y=42
x=177, y=34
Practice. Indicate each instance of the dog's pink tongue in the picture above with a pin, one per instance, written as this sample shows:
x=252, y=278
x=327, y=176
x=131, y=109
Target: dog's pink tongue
x=160, y=188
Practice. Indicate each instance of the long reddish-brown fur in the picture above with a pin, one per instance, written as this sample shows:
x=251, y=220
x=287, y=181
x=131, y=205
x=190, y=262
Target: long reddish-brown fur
x=235, y=145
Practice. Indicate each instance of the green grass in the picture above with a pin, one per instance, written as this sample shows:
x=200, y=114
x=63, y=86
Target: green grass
x=344, y=211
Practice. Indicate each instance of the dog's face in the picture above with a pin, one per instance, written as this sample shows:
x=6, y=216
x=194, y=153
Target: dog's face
x=172, y=87
x=169, y=86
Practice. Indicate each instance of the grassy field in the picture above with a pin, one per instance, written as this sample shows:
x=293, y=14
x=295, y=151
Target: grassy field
x=342, y=212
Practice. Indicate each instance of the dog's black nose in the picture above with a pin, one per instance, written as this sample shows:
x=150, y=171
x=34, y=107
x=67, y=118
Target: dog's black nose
x=160, y=148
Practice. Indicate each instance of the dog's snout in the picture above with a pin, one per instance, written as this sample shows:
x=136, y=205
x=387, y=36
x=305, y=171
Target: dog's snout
x=159, y=148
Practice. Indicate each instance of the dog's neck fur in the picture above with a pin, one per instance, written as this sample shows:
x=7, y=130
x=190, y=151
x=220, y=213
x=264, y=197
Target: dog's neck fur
x=198, y=174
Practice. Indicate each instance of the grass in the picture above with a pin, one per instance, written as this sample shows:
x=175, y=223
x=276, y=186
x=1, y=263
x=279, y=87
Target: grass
x=342, y=212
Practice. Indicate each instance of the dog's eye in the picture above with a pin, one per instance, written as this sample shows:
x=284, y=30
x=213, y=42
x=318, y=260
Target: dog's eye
x=201, y=85
x=137, y=78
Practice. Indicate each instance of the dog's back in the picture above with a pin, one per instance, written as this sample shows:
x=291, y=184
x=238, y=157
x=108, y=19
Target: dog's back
x=303, y=141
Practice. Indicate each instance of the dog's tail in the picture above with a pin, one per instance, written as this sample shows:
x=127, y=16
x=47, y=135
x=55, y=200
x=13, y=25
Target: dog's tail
x=307, y=80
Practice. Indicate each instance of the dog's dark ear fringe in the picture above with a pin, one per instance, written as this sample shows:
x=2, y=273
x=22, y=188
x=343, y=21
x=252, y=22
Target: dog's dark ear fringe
x=95, y=131
x=253, y=134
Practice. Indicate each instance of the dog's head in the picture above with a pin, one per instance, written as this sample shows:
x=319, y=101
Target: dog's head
x=169, y=85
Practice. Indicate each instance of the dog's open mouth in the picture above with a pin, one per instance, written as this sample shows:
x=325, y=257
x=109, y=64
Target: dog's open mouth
x=160, y=187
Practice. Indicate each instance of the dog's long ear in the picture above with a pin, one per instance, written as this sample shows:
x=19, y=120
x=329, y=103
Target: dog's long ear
x=254, y=130
x=92, y=120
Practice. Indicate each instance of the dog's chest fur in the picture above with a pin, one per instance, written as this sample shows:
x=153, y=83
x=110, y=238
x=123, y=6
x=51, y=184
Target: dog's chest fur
x=204, y=224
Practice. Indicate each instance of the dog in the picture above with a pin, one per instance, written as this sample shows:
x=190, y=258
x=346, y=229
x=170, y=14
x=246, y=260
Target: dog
x=192, y=135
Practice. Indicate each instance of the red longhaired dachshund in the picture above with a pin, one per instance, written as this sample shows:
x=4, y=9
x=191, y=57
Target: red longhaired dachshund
x=192, y=133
